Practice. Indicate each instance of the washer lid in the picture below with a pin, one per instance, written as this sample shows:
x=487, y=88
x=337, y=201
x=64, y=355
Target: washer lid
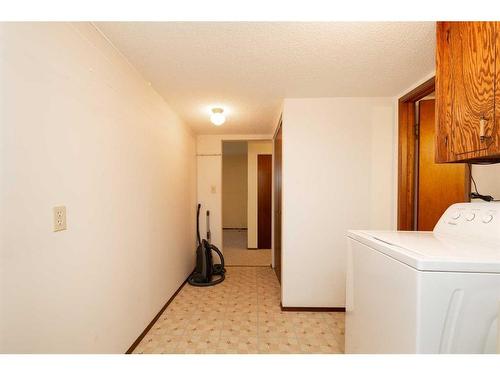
x=428, y=251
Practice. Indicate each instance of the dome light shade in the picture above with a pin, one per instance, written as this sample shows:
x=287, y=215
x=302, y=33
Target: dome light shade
x=217, y=118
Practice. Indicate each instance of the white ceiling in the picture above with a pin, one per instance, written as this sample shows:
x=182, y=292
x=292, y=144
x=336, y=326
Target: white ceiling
x=249, y=67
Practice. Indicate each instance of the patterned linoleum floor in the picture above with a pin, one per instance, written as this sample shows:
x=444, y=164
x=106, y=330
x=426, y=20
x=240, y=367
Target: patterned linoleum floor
x=237, y=254
x=241, y=315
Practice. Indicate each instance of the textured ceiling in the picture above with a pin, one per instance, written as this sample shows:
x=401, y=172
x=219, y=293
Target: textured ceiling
x=249, y=67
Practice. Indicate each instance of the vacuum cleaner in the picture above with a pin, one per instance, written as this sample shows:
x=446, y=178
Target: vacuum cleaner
x=205, y=270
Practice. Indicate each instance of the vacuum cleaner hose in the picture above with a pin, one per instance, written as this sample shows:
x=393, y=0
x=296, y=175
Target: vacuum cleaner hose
x=219, y=269
x=198, y=237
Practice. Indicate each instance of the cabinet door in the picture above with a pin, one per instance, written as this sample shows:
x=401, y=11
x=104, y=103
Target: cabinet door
x=472, y=46
x=466, y=90
x=443, y=92
x=494, y=145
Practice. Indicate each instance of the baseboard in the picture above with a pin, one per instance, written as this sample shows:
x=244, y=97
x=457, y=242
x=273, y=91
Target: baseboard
x=157, y=316
x=247, y=265
x=234, y=228
x=313, y=309
x=252, y=248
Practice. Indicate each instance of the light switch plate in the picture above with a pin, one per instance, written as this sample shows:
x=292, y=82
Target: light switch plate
x=213, y=189
x=59, y=218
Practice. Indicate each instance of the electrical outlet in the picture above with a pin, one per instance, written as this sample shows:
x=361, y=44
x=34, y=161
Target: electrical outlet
x=59, y=218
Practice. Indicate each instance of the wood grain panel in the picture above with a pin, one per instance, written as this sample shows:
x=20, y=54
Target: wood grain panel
x=406, y=157
x=443, y=92
x=494, y=148
x=472, y=50
x=439, y=185
x=467, y=79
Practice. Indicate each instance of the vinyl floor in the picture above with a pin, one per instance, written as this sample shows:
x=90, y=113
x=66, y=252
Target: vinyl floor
x=241, y=315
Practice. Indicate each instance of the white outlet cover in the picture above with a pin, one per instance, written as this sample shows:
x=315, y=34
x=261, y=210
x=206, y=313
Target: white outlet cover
x=59, y=218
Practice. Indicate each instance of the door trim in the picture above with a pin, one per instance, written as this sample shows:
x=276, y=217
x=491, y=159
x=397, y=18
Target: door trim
x=407, y=154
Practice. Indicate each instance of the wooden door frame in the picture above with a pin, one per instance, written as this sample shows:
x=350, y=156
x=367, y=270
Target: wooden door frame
x=407, y=153
x=259, y=232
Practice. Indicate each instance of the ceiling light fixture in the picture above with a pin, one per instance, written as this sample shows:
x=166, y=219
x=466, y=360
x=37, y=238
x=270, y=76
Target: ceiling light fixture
x=217, y=117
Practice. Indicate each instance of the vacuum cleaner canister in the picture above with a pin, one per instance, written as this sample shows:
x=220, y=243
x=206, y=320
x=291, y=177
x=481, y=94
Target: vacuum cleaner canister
x=205, y=270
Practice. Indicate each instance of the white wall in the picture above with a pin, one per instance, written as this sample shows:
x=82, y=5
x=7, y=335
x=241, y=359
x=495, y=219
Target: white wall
x=255, y=148
x=337, y=175
x=234, y=190
x=209, y=175
x=79, y=127
x=487, y=178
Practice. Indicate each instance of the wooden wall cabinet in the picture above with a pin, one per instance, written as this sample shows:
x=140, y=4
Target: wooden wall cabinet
x=467, y=92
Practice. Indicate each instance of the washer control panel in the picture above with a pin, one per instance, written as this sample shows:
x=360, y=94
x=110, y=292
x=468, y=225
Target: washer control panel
x=471, y=219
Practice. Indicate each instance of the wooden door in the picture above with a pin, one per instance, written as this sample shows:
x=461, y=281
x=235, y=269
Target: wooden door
x=277, y=201
x=264, y=200
x=465, y=90
x=439, y=185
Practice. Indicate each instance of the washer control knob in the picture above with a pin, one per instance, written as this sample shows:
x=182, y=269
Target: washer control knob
x=487, y=218
x=455, y=215
x=470, y=216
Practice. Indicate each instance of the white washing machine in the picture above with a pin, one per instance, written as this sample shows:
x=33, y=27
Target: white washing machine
x=427, y=292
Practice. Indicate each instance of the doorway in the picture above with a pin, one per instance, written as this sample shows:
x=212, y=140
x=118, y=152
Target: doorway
x=234, y=195
x=425, y=189
x=247, y=202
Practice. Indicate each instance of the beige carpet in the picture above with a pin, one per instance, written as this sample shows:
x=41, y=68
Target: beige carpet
x=236, y=252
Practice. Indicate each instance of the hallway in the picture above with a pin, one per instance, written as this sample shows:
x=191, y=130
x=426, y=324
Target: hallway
x=241, y=315
x=236, y=252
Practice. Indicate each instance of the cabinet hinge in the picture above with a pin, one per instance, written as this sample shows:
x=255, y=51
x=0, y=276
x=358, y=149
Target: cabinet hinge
x=417, y=130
